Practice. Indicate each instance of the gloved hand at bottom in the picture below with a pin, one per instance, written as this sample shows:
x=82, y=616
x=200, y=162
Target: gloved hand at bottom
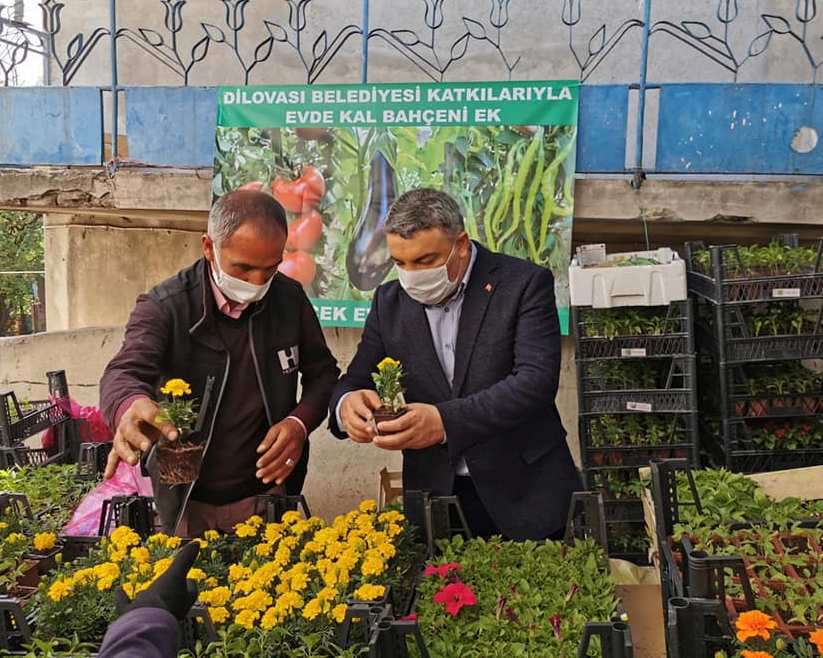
x=171, y=591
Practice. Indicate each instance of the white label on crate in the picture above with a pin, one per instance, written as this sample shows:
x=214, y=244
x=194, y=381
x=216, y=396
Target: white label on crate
x=786, y=293
x=645, y=407
x=633, y=351
x=591, y=254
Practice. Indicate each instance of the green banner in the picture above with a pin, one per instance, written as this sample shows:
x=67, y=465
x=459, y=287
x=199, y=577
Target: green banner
x=337, y=156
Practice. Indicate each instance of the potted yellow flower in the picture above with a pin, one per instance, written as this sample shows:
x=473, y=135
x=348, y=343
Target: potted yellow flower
x=179, y=461
x=388, y=382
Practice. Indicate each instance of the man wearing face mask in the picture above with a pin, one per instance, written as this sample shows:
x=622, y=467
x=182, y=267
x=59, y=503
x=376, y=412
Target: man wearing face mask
x=230, y=316
x=478, y=336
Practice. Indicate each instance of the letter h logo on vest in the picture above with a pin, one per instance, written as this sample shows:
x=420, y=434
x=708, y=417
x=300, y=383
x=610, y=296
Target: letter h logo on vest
x=289, y=359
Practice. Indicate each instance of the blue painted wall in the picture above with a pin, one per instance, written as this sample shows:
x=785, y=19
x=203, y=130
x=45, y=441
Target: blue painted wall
x=51, y=125
x=171, y=125
x=602, y=122
x=738, y=129
x=702, y=129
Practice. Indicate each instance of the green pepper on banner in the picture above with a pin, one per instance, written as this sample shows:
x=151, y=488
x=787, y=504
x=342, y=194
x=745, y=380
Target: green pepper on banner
x=337, y=156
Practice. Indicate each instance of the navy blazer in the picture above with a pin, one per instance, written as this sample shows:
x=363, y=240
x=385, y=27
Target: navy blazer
x=500, y=414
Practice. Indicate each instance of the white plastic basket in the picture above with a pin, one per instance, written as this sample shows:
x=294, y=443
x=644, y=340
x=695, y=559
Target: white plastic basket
x=601, y=286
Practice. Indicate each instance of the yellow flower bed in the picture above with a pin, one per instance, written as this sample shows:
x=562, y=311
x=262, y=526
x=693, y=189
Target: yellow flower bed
x=298, y=570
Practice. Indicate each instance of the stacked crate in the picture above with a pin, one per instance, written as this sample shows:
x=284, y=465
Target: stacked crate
x=637, y=387
x=760, y=328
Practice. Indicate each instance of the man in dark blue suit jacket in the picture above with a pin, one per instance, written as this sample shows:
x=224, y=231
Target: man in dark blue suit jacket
x=478, y=336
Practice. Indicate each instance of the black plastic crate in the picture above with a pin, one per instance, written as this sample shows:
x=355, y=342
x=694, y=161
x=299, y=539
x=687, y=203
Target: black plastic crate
x=731, y=444
x=91, y=462
x=20, y=421
x=721, y=274
x=651, y=386
x=697, y=628
x=678, y=438
x=660, y=331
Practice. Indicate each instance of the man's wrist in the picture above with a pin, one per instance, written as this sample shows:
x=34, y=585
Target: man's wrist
x=337, y=409
x=302, y=425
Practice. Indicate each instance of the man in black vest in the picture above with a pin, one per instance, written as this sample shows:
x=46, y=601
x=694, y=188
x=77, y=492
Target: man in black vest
x=233, y=317
x=478, y=337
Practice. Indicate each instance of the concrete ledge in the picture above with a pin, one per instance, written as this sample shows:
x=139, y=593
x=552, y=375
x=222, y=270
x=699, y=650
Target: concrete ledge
x=149, y=196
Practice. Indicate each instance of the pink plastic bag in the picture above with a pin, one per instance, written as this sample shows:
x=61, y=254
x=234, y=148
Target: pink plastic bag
x=94, y=430
x=127, y=481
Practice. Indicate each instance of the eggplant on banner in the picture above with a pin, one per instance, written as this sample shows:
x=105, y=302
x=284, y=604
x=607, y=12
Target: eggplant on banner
x=368, y=260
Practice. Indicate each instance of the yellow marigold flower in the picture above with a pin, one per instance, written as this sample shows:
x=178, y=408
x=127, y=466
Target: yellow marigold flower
x=117, y=556
x=177, y=388
x=128, y=589
x=218, y=596
x=142, y=587
x=393, y=530
x=368, y=506
x=257, y=601
x=238, y=572
x=44, y=541
x=211, y=535
x=387, y=551
x=105, y=584
x=327, y=594
x=263, y=550
x=157, y=538
x=349, y=559
x=290, y=542
x=391, y=516
x=145, y=569
x=326, y=536
x=754, y=624
x=254, y=521
x=313, y=609
x=161, y=566
x=282, y=555
x=244, y=586
x=372, y=566
x=369, y=592
x=271, y=619
x=140, y=555
x=106, y=570
x=299, y=582
x=211, y=582
x=290, y=518
x=338, y=612
x=173, y=543
x=83, y=576
x=273, y=532
x=246, y=619
x=282, y=587
x=3, y=525
x=289, y=601
x=196, y=574
x=123, y=537
x=218, y=614
x=334, y=550
x=263, y=577
x=388, y=362
x=60, y=590
x=15, y=538
x=244, y=531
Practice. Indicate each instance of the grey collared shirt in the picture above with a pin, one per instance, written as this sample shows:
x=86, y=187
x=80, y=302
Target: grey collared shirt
x=444, y=322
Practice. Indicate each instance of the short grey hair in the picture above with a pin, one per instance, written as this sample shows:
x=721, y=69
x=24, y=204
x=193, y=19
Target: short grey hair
x=236, y=208
x=421, y=209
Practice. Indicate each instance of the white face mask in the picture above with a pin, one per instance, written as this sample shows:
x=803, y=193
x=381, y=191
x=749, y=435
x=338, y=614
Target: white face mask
x=236, y=289
x=431, y=286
